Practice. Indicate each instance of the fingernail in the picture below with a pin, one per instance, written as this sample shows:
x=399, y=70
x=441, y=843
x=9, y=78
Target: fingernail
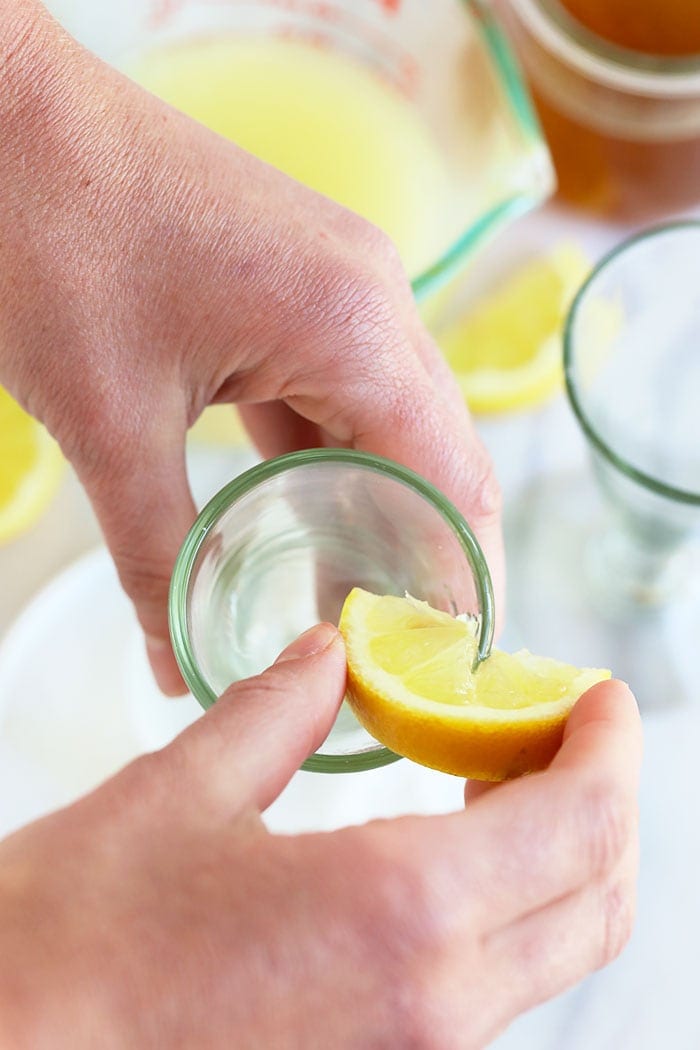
x=310, y=643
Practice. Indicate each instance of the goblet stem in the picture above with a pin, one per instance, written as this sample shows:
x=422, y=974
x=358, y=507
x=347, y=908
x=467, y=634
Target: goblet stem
x=633, y=574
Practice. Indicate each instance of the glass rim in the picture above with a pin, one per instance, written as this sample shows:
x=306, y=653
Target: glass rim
x=636, y=474
x=608, y=63
x=371, y=757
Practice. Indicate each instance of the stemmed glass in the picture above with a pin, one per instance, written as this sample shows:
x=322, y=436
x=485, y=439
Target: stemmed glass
x=606, y=565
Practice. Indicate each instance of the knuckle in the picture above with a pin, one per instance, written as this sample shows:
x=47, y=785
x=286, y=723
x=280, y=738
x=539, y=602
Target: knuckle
x=431, y=1019
x=618, y=914
x=371, y=243
x=269, y=693
x=146, y=584
x=172, y=779
x=350, y=321
x=385, y=255
x=268, y=686
x=405, y=897
x=609, y=824
x=351, y=304
x=487, y=490
x=415, y=913
x=365, y=303
x=417, y=940
x=531, y=949
x=141, y=787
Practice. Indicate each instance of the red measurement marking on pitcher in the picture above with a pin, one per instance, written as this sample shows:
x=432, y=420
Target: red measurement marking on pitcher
x=162, y=11
x=400, y=68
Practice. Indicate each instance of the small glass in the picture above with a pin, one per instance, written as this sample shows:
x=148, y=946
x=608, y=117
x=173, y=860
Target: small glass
x=611, y=561
x=281, y=546
x=623, y=126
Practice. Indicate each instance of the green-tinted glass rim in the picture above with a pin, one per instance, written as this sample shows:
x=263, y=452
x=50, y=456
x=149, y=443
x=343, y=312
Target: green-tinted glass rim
x=518, y=203
x=373, y=757
x=648, y=481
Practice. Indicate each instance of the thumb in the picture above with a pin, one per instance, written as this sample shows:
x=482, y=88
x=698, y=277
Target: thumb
x=247, y=747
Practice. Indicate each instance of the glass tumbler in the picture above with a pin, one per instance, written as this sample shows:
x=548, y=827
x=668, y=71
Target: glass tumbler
x=280, y=547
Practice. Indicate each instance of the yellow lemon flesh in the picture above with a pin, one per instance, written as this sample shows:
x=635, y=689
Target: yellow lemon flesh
x=30, y=468
x=411, y=685
x=507, y=351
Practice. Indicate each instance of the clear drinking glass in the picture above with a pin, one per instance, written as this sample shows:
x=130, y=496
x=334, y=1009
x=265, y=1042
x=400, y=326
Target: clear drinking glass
x=280, y=547
x=614, y=565
x=447, y=58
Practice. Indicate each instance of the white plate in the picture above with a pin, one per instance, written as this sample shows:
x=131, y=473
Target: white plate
x=77, y=701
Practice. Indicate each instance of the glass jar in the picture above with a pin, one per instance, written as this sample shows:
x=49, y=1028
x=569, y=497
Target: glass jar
x=623, y=126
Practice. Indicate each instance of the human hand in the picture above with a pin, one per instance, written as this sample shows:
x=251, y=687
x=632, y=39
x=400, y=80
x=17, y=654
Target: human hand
x=149, y=268
x=158, y=911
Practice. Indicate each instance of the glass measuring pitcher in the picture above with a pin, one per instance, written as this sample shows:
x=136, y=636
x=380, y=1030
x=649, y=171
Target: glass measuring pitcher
x=420, y=103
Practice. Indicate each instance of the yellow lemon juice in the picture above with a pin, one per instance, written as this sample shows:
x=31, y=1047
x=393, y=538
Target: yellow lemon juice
x=322, y=118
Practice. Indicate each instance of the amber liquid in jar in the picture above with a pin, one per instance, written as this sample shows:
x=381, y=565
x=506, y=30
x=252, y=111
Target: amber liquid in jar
x=621, y=153
x=653, y=27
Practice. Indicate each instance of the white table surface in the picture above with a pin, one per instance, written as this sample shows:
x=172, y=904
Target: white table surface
x=71, y=718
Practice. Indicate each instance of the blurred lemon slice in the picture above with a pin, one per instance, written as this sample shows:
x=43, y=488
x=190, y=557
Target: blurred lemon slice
x=31, y=465
x=507, y=352
x=411, y=685
x=220, y=425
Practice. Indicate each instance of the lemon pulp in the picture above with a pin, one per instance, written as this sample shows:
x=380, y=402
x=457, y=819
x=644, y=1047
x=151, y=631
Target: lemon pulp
x=412, y=685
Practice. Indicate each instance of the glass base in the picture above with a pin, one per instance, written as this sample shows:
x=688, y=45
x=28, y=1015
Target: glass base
x=561, y=604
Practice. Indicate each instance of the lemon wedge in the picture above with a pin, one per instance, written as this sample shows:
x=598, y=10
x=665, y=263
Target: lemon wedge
x=412, y=686
x=507, y=351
